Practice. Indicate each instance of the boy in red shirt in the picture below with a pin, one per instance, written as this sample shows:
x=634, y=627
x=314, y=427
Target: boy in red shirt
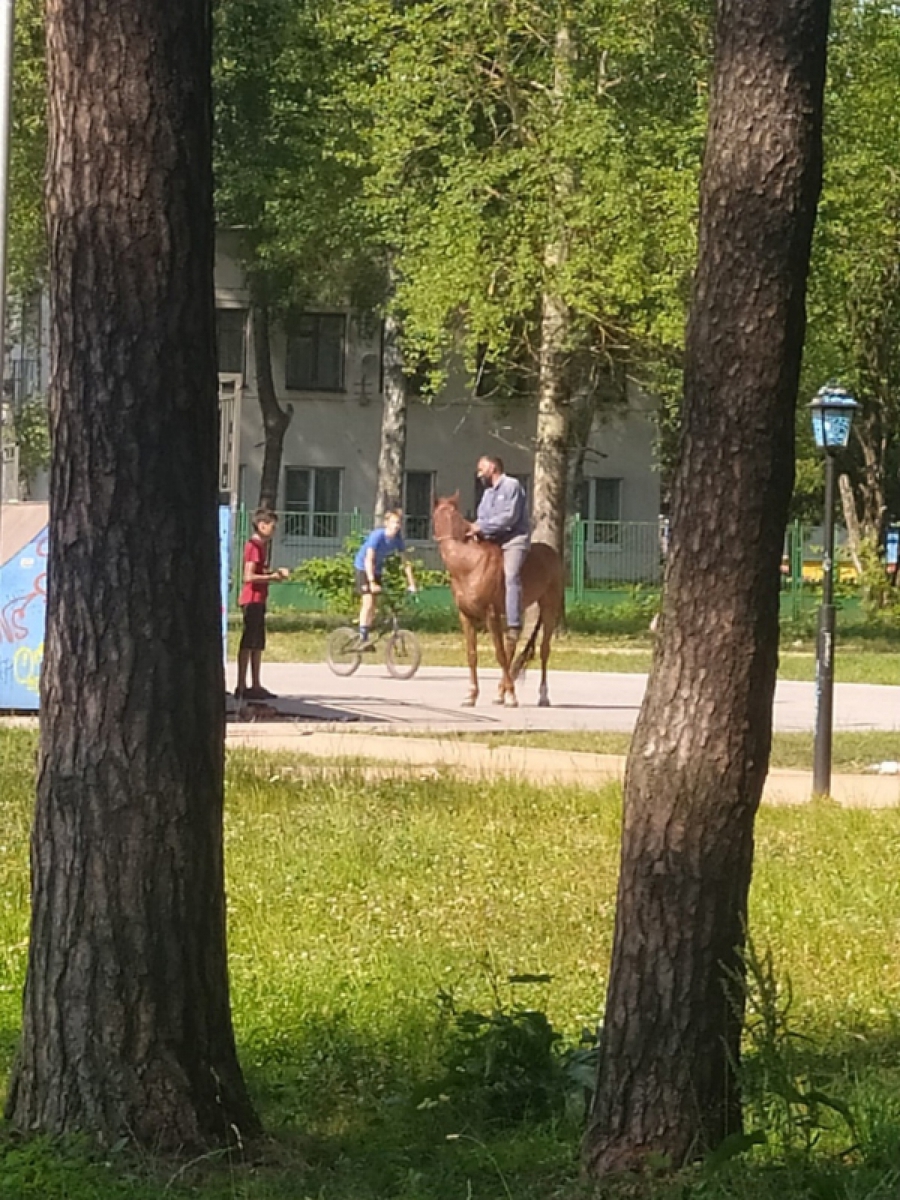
x=252, y=600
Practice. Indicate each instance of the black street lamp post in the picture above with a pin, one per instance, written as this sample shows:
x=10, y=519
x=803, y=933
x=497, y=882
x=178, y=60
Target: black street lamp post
x=832, y=415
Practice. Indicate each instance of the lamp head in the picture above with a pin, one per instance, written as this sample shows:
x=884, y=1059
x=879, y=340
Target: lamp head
x=832, y=411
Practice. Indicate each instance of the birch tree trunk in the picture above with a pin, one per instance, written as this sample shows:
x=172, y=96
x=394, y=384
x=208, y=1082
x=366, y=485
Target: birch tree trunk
x=552, y=433
x=666, y=1082
x=848, y=505
x=126, y=1025
x=392, y=452
x=869, y=434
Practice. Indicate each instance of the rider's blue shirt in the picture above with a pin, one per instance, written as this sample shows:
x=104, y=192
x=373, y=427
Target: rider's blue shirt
x=383, y=546
x=503, y=511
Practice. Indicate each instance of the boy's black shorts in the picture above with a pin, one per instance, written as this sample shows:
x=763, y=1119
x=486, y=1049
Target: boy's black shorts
x=254, y=635
x=362, y=582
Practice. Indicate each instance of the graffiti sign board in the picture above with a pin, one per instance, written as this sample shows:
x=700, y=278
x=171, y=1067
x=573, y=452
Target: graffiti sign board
x=23, y=602
x=224, y=547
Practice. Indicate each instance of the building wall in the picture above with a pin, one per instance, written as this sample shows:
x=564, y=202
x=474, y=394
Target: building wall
x=342, y=429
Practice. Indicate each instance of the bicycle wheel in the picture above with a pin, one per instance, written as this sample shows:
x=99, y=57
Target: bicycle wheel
x=402, y=654
x=342, y=650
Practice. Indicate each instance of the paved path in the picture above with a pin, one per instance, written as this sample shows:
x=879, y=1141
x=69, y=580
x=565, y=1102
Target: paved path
x=581, y=700
x=354, y=719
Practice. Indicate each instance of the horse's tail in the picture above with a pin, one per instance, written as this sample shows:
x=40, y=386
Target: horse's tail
x=561, y=626
x=526, y=654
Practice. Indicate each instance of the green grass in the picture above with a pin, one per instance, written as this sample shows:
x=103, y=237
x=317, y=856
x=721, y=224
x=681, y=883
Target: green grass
x=353, y=906
x=866, y=653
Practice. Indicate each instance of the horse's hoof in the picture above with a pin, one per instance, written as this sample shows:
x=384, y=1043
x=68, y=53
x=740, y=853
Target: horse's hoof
x=544, y=702
x=512, y=702
x=469, y=703
x=498, y=700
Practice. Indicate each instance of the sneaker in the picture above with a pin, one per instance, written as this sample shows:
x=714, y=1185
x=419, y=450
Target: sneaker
x=259, y=693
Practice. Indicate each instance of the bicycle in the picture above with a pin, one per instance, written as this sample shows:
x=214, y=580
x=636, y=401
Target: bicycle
x=402, y=653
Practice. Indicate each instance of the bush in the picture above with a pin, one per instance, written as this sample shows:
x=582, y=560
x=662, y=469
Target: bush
x=879, y=596
x=334, y=579
x=509, y=1065
x=632, y=615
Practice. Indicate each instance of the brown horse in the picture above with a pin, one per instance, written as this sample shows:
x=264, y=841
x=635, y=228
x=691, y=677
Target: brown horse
x=477, y=583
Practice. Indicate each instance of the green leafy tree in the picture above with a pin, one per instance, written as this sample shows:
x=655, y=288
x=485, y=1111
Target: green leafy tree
x=534, y=165
x=27, y=242
x=288, y=174
x=33, y=440
x=854, y=309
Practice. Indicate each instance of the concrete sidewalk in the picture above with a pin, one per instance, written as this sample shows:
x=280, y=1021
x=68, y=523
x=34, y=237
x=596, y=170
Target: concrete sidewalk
x=387, y=755
x=340, y=719
x=581, y=700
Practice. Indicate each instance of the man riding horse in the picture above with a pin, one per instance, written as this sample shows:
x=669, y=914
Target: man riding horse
x=503, y=518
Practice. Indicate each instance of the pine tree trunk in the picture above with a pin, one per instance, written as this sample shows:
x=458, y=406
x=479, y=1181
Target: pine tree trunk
x=548, y=507
x=127, y=1028
x=275, y=418
x=674, y=1009
x=392, y=454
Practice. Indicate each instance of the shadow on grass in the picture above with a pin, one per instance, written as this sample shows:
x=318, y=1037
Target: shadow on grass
x=370, y=1123
x=371, y=1120
x=350, y=1117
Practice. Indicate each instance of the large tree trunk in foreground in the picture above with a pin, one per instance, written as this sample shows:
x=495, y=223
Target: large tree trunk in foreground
x=275, y=418
x=392, y=454
x=671, y=1035
x=127, y=1028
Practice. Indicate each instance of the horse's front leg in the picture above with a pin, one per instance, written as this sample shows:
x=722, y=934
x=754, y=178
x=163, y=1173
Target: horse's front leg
x=506, y=692
x=471, y=635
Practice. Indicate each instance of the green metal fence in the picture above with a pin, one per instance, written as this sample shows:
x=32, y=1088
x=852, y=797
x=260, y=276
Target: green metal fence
x=603, y=558
x=600, y=555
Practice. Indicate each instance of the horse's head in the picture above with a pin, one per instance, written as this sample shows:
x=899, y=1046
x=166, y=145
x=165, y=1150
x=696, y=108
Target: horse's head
x=447, y=521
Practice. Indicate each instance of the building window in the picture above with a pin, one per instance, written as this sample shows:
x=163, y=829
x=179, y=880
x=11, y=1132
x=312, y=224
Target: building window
x=231, y=324
x=312, y=501
x=417, y=505
x=315, y=352
x=601, y=505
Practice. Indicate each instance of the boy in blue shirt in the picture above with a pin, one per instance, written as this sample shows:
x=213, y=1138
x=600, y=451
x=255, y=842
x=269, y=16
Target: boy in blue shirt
x=369, y=563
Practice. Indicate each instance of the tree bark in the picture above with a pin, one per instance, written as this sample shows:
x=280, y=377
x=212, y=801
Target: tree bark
x=552, y=433
x=551, y=452
x=851, y=521
x=595, y=389
x=671, y=1034
x=869, y=433
x=392, y=453
x=275, y=418
x=127, y=1028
